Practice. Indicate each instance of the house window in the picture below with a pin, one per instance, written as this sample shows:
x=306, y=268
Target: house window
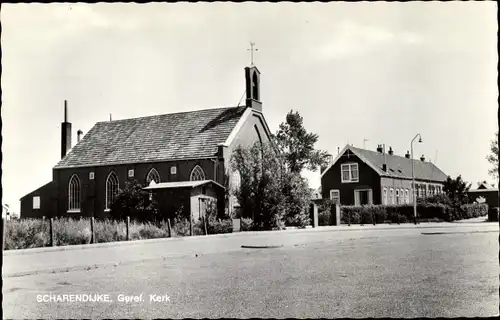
x=384, y=199
x=91, y=176
x=173, y=170
x=36, y=202
x=335, y=196
x=153, y=175
x=131, y=173
x=111, y=189
x=392, y=196
x=74, y=194
x=197, y=174
x=397, y=196
x=350, y=172
x=407, y=193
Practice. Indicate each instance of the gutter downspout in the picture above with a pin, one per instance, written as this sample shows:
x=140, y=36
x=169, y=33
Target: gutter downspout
x=214, y=160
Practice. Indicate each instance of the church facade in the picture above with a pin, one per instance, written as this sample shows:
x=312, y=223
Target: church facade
x=176, y=151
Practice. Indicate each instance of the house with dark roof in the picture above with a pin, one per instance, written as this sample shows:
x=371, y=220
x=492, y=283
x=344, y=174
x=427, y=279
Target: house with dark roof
x=360, y=177
x=486, y=194
x=186, y=155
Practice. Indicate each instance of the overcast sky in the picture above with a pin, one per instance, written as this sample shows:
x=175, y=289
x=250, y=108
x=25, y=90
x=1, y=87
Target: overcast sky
x=377, y=71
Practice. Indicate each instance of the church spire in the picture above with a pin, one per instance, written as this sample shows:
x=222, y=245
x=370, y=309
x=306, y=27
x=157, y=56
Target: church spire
x=252, y=79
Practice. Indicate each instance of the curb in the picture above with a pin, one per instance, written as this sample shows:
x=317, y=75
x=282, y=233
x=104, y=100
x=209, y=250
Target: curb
x=94, y=266
x=340, y=228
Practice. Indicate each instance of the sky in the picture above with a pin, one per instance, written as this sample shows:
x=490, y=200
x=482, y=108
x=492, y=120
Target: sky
x=364, y=73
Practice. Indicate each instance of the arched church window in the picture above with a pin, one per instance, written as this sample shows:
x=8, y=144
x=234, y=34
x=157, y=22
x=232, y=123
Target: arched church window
x=255, y=86
x=111, y=189
x=74, y=193
x=197, y=174
x=235, y=180
x=153, y=175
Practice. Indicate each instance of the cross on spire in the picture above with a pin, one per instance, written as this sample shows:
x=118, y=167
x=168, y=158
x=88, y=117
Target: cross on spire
x=252, y=44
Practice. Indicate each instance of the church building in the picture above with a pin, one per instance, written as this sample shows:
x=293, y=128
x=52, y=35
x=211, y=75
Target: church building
x=183, y=156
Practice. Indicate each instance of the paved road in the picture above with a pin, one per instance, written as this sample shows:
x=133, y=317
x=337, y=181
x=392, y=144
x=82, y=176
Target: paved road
x=450, y=271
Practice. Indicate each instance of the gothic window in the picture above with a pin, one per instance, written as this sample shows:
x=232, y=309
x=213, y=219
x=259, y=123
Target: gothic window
x=197, y=174
x=74, y=193
x=255, y=86
x=111, y=189
x=153, y=175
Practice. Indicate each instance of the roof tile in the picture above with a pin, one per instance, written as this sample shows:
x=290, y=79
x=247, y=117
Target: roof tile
x=398, y=166
x=173, y=136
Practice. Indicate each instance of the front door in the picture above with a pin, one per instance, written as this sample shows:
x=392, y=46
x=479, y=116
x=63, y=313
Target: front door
x=363, y=197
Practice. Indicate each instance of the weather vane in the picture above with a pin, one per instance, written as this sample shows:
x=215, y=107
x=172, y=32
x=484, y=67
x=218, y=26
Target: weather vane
x=252, y=44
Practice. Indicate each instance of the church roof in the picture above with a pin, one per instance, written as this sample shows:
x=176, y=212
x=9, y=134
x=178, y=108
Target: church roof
x=397, y=166
x=174, y=136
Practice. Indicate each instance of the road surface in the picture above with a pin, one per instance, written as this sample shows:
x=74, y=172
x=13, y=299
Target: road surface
x=447, y=270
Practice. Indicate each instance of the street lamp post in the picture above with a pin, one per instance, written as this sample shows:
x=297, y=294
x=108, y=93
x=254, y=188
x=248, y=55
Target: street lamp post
x=413, y=178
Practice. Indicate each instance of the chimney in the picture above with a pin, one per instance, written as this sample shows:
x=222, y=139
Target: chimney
x=407, y=155
x=78, y=135
x=422, y=158
x=65, y=132
x=390, y=151
x=384, y=166
x=379, y=148
x=252, y=80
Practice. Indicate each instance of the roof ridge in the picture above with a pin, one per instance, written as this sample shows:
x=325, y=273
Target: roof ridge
x=394, y=155
x=173, y=113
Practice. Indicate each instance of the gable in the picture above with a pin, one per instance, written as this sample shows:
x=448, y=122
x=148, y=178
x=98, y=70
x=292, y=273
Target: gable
x=176, y=136
x=252, y=128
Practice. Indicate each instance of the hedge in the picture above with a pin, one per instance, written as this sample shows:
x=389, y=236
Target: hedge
x=404, y=213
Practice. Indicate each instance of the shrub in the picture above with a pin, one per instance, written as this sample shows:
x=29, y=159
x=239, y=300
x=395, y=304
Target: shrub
x=474, y=210
x=26, y=233
x=180, y=227
x=68, y=231
x=324, y=212
x=394, y=213
x=147, y=230
x=216, y=226
x=246, y=224
x=297, y=198
x=110, y=230
x=324, y=218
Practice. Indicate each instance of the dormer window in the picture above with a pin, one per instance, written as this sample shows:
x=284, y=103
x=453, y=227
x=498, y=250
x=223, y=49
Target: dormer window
x=350, y=172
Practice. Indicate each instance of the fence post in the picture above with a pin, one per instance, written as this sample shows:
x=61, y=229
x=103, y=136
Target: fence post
x=373, y=218
x=128, y=228
x=349, y=218
x=205, y=224
x=92, y=233
x=52, y=242
x=191, y=226
x=169, y=228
